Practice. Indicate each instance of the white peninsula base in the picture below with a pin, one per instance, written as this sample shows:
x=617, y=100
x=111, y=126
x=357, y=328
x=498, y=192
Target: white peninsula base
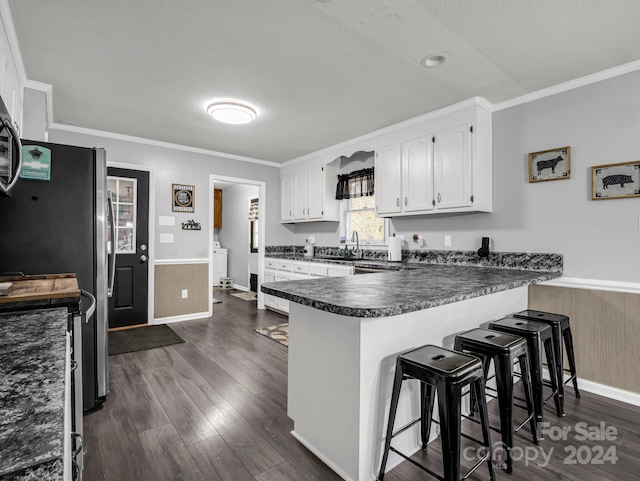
x=341, y=375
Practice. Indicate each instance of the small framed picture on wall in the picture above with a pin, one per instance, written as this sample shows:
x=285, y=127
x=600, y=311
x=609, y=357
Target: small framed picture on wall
x=615, y=181
x=553, y=164
x=183, y=198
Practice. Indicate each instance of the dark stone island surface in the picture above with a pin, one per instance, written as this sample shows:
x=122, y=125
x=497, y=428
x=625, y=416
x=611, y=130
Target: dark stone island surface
x=414, y=284
x=32, y=385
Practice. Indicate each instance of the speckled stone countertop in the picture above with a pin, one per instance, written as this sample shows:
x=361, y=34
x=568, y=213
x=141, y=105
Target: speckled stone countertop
x=32, y=382
x=397, y=292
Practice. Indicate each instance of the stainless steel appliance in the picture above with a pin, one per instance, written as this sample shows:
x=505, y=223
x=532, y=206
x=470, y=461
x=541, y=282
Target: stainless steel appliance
x=61, y=225
x=10, y=152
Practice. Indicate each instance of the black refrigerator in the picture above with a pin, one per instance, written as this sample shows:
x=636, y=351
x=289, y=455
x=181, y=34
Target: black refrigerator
x=59, y=223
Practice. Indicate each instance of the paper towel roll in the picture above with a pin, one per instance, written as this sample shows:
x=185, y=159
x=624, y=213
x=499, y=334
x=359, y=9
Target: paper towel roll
x=395, y=248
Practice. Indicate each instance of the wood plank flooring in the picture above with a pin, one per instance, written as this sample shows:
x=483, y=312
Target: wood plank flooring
x=214, y=408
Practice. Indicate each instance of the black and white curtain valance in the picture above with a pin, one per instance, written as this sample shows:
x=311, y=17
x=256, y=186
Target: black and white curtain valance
x=358, y=183
x=253, y=210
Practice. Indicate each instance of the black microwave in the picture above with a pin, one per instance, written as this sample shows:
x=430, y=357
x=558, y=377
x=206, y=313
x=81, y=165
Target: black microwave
x=10, y=152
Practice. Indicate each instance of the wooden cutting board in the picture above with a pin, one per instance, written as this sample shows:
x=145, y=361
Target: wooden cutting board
x=40, y=287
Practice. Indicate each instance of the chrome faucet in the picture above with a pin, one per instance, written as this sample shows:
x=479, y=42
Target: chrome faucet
x=356, y=238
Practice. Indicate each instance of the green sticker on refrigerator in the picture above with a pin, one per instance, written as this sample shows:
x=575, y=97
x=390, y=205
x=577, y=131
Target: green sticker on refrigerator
x=36, y=163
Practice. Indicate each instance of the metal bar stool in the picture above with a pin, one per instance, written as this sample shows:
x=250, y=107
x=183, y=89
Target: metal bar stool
x=447, y=373
x=504, y=350
x=560, y=329
x=538, y=336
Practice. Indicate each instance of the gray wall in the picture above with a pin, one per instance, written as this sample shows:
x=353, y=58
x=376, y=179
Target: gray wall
x=35, y=115
x=234, y=233
x=176, y=166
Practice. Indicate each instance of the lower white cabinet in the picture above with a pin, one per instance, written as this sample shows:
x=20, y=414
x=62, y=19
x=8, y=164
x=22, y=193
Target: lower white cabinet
x=288, y=270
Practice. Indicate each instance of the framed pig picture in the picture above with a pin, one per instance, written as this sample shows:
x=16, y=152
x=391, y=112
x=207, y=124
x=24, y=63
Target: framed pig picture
x=553, y=164
x=615, y=181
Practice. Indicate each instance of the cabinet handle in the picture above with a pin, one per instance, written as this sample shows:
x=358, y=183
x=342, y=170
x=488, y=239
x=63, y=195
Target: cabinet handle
x=405, y=201
x=80, y=445
x=398, y=201
x=439, y=197
x=303, y=211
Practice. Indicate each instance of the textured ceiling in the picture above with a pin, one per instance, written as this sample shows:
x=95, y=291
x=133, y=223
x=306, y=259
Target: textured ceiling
x=318, y=72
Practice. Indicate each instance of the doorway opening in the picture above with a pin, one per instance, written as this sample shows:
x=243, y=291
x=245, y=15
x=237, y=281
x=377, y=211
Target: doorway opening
x=238, y=232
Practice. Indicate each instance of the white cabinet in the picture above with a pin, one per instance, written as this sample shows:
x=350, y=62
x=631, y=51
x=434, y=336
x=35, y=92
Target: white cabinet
x=270, y=276
x=11, y=88
x=286, y=198
x=452, y=167
x=448, y=170
x=282, y=304
x=407, y=172
x=388, y=174
x=288, y=270
x=219, y=265
x=309, y=194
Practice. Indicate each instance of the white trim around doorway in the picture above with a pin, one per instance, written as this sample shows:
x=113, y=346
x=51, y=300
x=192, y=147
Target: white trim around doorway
x=261, y=224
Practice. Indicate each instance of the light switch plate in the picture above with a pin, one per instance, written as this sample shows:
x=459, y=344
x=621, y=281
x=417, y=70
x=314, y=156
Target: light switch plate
x=166, y=238
x=166, y=220
x=447, y=241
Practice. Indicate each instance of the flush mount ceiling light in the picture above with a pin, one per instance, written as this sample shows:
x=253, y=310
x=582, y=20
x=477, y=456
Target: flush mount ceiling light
x=231, y=112
x=432, y=61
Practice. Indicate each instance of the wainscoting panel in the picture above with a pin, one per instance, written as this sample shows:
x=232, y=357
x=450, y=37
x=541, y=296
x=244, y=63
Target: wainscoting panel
x=171, y=279
x=606, y=331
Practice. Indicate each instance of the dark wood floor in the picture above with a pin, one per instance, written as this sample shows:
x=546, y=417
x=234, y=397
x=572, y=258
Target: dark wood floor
x=214, y=408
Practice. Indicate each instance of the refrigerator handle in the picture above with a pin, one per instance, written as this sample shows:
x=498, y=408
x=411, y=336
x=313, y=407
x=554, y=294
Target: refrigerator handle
x=112, y=257
x=92, y=307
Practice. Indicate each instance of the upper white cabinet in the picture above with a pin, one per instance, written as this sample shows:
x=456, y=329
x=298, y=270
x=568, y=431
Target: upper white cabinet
x=404, y=174
x=309, y=194
x=11, y=88
x=446, y=170
x=286, y=198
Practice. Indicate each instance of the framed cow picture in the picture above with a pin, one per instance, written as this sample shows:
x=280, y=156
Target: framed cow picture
x=615, y=181
x=554, y=164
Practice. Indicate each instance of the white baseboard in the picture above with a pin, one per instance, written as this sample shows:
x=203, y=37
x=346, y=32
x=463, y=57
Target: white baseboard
x=322, y=457
x=607, y=391
x=240, y=288
x=183, y=317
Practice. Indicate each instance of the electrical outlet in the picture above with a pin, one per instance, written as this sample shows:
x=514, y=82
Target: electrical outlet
x=185, y=293
x=447, y=241
x=166, y=238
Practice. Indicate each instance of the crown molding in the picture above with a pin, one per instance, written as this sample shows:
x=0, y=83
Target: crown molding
x=570, y=85
x=14, y=45
x=157, y=143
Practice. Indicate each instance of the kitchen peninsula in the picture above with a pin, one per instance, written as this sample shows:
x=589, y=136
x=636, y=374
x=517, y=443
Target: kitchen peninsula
x=345, y=333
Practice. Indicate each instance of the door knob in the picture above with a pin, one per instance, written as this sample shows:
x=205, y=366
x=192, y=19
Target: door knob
x=143, y=259
x=143, y=247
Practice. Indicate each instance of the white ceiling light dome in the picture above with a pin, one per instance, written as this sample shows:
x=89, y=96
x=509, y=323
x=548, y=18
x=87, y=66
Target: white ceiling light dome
x=231, y=112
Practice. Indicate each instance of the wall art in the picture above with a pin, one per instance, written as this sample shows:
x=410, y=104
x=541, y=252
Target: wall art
x=553, y=164
x=183, y=198
x=615, y=181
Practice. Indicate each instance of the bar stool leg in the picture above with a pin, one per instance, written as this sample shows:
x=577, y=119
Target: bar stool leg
x=473, y=402
x=479, y=387
x=504, y=381
x=551, y=362
x=535, y=361
x=450, y=428
x=568, y=342
x=523, y=361
x=427, y=397
x=557, y=350
x=395, y=395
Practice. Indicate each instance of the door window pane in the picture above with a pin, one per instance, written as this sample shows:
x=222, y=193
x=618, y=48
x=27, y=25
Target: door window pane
x=124, y=193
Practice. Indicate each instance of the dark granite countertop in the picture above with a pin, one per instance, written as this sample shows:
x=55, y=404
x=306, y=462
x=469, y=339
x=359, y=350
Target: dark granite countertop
x=32, y=384
x=398, y=292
